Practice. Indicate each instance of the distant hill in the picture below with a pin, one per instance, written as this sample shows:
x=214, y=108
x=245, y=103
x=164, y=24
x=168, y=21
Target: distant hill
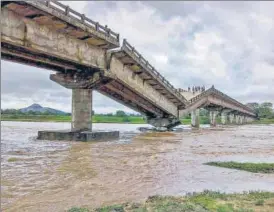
x=39, y=108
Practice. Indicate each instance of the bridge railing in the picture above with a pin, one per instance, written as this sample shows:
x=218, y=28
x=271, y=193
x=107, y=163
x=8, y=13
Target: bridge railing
x=199, y=96
x=66, y=10
x=234, y=101
x=152, y=71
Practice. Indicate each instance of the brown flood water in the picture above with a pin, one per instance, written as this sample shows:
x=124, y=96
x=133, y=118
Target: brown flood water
x=55, y=176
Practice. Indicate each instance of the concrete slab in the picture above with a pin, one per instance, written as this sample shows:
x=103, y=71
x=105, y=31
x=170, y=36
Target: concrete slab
x=84, y=136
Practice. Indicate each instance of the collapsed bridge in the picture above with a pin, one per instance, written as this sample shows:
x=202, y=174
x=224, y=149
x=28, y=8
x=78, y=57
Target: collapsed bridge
x=84, y=55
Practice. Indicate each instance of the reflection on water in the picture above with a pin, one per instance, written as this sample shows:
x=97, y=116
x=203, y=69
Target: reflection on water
x=55, y=175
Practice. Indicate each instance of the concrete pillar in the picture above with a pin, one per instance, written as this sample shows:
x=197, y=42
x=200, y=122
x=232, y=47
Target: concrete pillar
x=195, y=118
x=241, y=119
x=231, y=118
x=237, y=119
x=81, y=109
x=244, y=120
x=224, y=117
x=212, y=117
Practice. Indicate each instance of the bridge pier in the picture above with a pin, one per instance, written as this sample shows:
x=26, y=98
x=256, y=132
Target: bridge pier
x=231, y=117
x=163, y=124
x=81, y=124
x=241, y=119
x=195, y=118
x=212, y=117
x=237, y=119
x=224, y=116
x=81, y=109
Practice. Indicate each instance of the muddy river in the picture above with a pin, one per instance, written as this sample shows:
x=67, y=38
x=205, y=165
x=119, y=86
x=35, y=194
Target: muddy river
x=55, y=176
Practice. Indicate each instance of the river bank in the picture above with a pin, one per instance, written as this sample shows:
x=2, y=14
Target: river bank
x=95, y=119
x=106, y=119
x=207, y=201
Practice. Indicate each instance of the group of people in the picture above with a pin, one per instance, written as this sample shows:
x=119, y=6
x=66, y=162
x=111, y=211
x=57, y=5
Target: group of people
x=196, y=88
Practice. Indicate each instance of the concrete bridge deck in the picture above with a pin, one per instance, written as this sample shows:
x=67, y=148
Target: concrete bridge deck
x=50, y=35
x=217, y=103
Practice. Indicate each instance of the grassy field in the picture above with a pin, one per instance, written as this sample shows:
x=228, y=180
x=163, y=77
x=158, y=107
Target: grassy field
x=107, y=119
x=95, y=119
x=207, y=201
x=61, y=118
x=263, y=121
x=251, y=167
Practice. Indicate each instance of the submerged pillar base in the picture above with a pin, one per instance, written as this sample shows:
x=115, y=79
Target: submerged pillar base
x=69, y=135
x=163, y=124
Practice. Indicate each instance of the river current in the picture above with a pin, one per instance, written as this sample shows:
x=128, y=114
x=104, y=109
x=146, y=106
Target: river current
x=57, y=175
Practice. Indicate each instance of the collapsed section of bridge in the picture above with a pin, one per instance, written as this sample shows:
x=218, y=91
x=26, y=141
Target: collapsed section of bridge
x=84, y=55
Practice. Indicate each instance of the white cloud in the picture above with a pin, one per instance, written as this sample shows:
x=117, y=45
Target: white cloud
x=79, y=6
x=228, y=44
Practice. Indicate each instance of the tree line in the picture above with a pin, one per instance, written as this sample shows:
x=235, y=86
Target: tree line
x=263, y=110
x=118, y=113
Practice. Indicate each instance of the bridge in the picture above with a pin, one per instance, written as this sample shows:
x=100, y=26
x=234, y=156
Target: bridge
x=86, y=56
x=217, y=103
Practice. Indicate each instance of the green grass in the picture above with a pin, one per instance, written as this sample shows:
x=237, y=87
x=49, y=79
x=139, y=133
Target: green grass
x=263, y=121
x=95, y=119
x=251, y=167
x=61, y=118
x=207, y=201
x=75, y=209
x=13, y=159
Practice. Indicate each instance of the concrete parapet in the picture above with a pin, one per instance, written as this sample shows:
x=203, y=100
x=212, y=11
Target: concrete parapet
x=69, y=135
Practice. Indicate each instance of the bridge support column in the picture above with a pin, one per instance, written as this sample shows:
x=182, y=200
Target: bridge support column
x=237, y=119
x=241, y=119
x=81, y=124
x=244, y=120
x=195, y=118
x=81, y=109
x=212, y=116
x=163, y=124
x=224, y=117
x=231, y=118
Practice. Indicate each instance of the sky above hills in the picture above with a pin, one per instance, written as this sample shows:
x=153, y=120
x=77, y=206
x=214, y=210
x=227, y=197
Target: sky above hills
x=228, y=44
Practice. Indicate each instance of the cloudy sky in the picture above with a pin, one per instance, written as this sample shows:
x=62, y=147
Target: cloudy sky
x=228, y=44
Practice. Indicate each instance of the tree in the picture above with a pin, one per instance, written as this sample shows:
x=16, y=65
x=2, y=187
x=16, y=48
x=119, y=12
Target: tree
x=253, y=105
x=204, y=112
x=120, y=113
x=267, y=104
x=264, y=110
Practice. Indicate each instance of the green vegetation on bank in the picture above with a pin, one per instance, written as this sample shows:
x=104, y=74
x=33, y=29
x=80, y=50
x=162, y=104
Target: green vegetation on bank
x=264, y=111
x=64, y=118
x=207, y=201
x=264, y=121
x=97, y=118
x=251, y=167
